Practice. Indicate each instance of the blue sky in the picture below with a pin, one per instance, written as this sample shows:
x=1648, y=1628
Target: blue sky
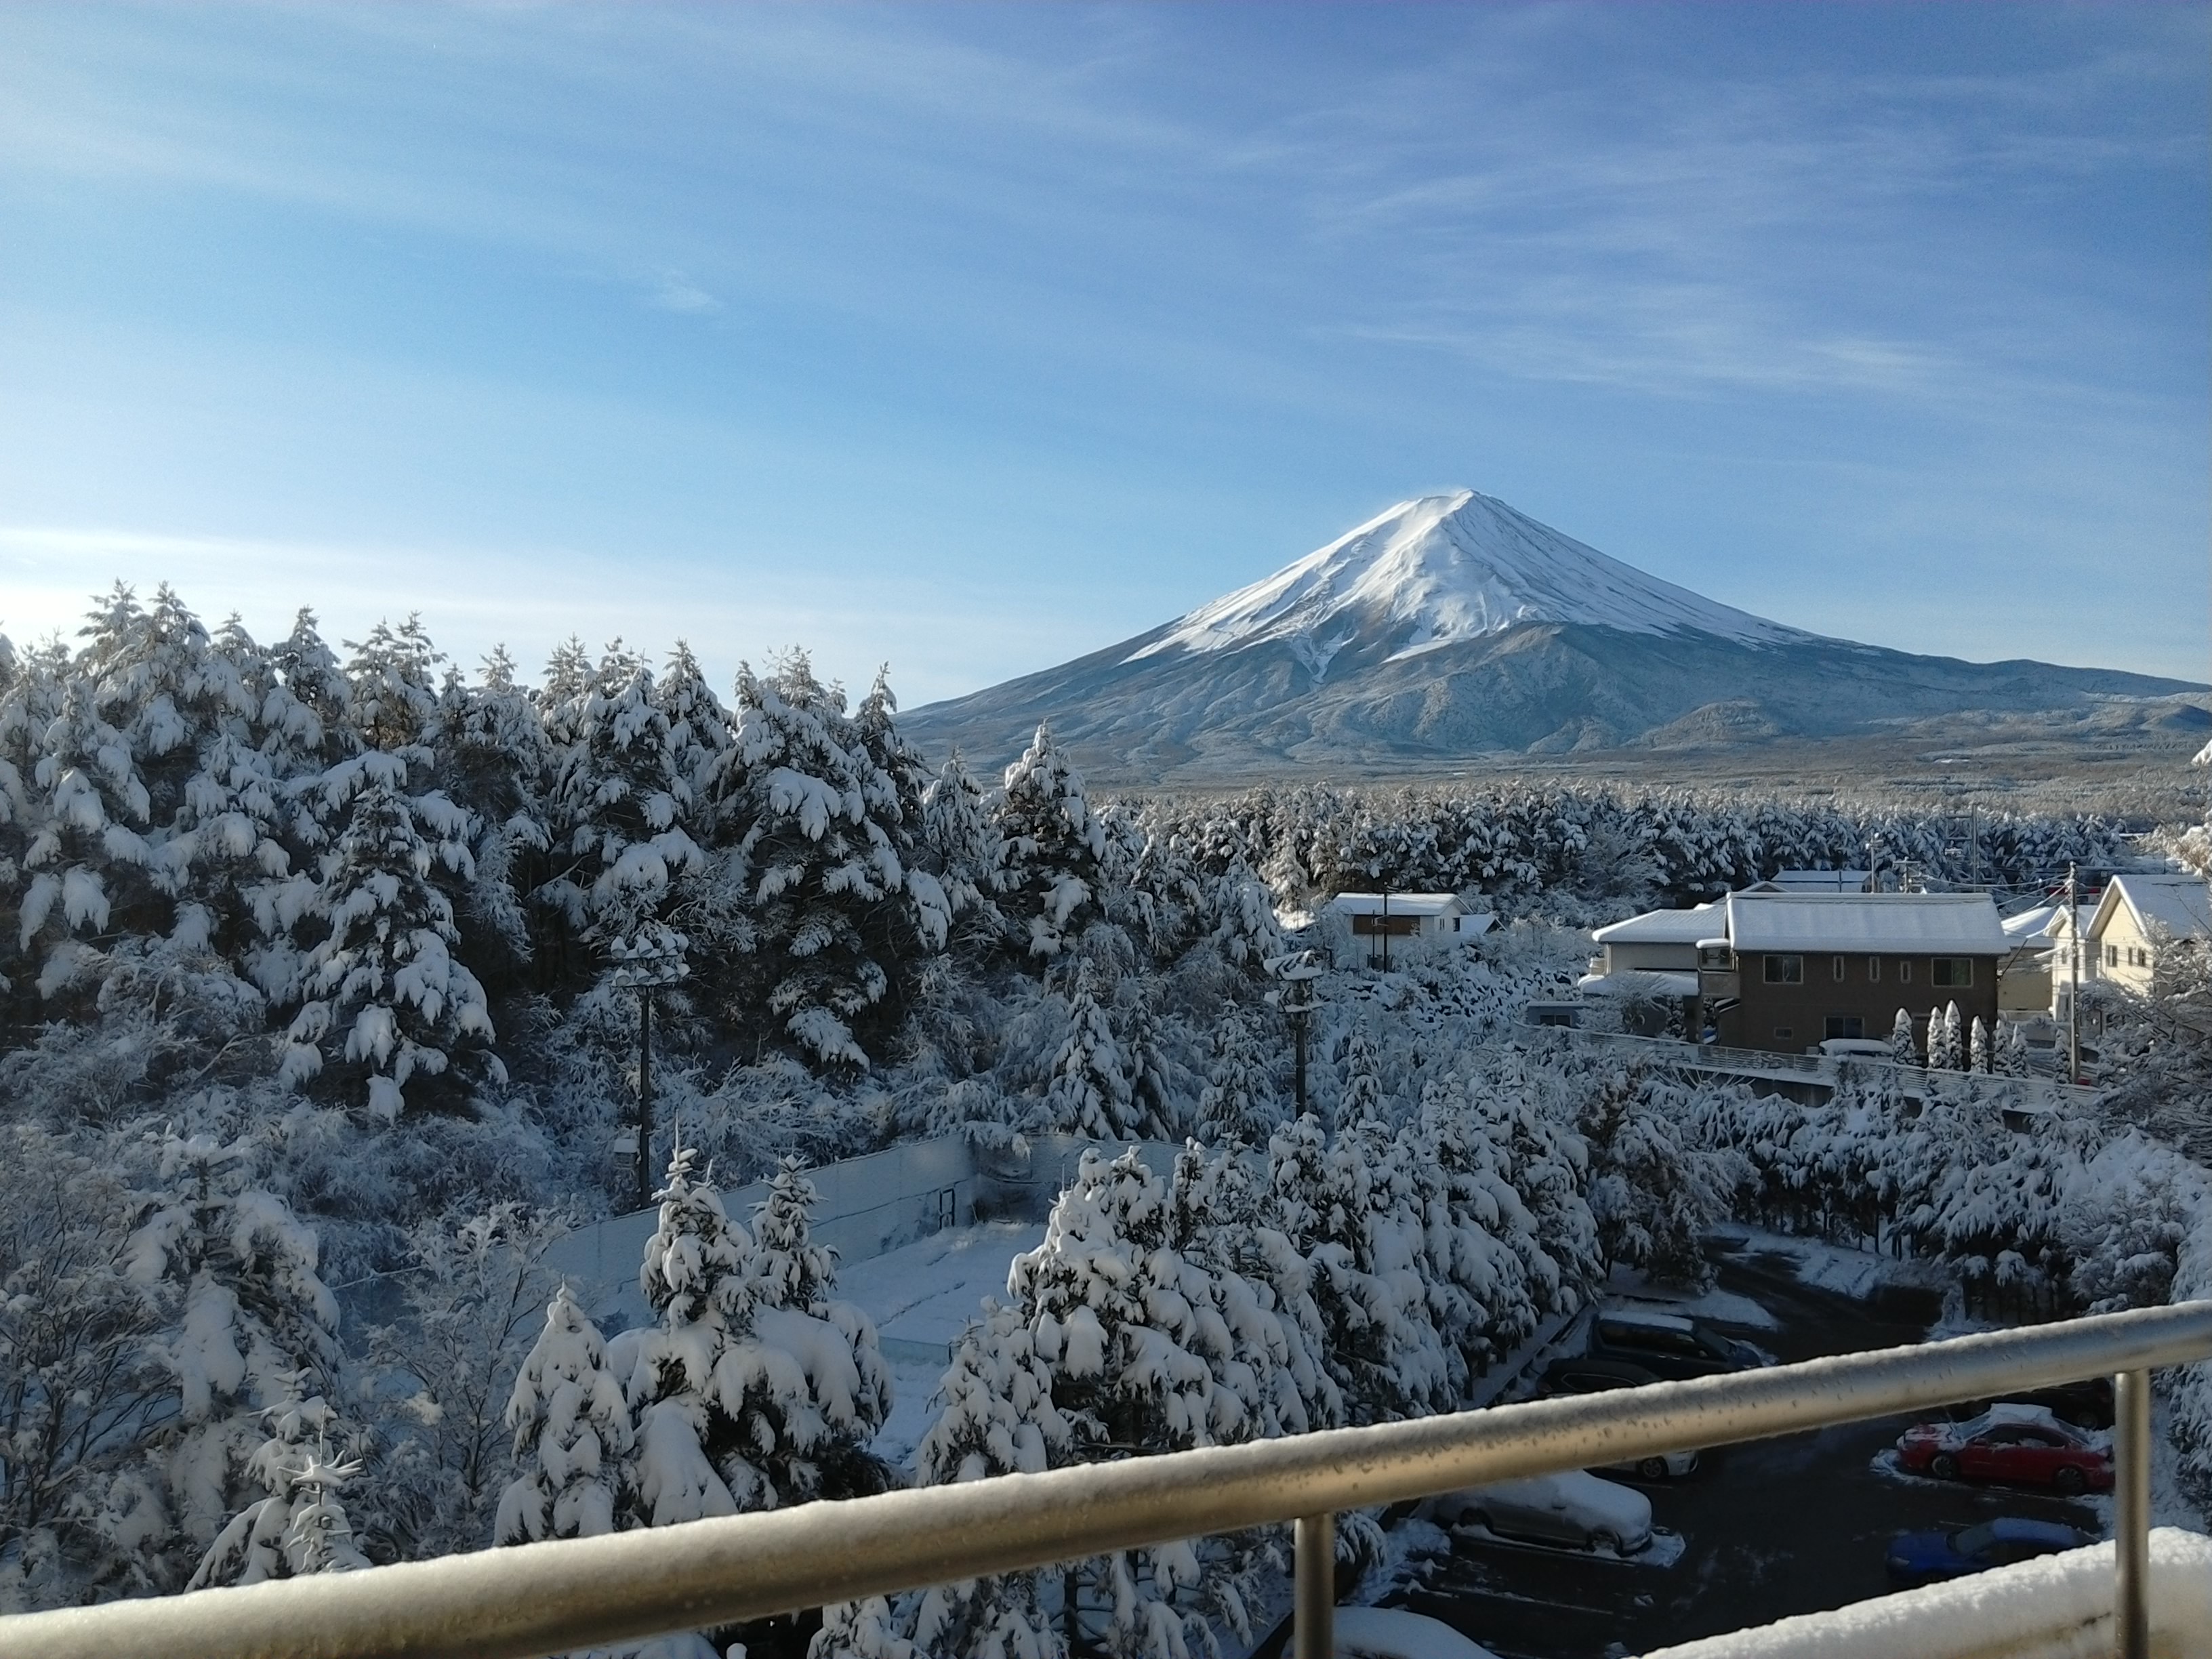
x=974, y=339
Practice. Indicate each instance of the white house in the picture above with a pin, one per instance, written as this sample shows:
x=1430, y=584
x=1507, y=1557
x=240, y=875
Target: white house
x=1655, y=952
x=1432, y=918
x=2140, y=919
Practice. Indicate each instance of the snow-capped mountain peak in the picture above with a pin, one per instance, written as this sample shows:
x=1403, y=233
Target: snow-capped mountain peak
x=1443, y=569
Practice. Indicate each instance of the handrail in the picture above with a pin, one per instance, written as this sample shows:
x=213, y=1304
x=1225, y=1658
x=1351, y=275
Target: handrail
x=535, y=1599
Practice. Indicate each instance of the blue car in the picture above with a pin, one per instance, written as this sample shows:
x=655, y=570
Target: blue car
x=1924, y=1558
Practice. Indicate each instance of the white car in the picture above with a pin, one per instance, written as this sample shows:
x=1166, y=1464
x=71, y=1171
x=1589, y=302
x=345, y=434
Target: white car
x=1574, y=1508
x=1659, y=1466
x=1395, y=1633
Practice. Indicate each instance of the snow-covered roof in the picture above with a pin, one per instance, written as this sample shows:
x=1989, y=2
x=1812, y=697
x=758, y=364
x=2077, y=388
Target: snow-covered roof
x=2180, y=905
x=1662, y=927
x=1400, y=904
x=1654, y=982
x=1812, y=881
x=1961, y=924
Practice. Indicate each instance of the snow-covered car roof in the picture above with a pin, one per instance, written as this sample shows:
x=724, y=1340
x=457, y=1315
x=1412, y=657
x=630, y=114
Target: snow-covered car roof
x=1961, y=924
x=1661, y=927
x=1395, y=1633
x=1649, y=1318
x=1626, y=1510
x=2016, y=1412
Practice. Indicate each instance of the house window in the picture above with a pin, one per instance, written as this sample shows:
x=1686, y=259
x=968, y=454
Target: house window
x=1781, y=1032
x=1844, y=1025
x=1785, y=970
x=2111, y=955
x=1951, y=973
x=1873, y=969
x=1905, y=973
x=1836, y=969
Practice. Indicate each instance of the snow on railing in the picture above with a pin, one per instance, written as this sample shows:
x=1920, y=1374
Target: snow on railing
x=535, y=1599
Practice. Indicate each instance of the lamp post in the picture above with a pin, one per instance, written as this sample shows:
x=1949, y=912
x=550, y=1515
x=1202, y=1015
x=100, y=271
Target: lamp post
x=1298, y=970
x=648, y=961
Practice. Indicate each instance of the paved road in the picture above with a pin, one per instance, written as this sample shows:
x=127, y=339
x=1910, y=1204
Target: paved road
x=1796, y=1525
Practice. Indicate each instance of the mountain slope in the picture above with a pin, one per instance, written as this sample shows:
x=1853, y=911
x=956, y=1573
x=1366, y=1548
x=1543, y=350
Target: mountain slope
x=1454, y=628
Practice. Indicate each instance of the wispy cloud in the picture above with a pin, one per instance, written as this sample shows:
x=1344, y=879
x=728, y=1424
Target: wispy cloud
x=673, y=293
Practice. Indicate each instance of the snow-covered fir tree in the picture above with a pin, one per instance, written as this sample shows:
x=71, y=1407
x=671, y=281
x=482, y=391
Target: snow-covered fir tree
x=387, y=1004
x=1978, y=1055
x=1238, y=1106
x=298, y=1525
x=572, y=1432
x=812, y=890
x=1051, y=849
x=249, y=1327
x=1945, y=1051
x=1903, y=1046
x=1090, y=1092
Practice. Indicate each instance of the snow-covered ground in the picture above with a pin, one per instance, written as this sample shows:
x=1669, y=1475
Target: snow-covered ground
x=921, y=1298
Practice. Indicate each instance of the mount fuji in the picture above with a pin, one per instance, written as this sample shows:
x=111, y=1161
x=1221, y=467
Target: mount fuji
x=1453, y=629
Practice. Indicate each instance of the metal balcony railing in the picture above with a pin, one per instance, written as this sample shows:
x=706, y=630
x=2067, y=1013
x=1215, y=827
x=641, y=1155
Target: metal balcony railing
x=543, y=1598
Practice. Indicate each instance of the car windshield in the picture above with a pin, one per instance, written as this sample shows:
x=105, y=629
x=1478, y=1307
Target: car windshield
x=1973, y=1539
x=1716, y=1346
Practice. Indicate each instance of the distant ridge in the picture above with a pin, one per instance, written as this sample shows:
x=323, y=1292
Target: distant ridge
x=1456, y=627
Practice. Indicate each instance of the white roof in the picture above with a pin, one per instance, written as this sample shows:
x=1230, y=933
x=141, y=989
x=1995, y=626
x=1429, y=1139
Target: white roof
x=1402, y=904
x=2180, y=905
x=1654, y=982
x=1662, y=927
x=1962, y=924
x=1813, y=881
x=1647, y=1318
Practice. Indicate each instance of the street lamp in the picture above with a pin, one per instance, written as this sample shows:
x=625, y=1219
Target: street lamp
x=648, y=961
x=1298, y=970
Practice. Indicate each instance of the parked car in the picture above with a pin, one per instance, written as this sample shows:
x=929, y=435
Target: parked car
x=1384, y=1633
x=1582, y=1375
x=1575, y=1509
x=2086, y=1404
x=1668, y=1345
x=1922, y=1557
x=2020, y=1445
x=1853, y=1048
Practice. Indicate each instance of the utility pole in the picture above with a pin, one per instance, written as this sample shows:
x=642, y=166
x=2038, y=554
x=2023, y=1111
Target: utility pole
x=648, y=961
x=2074, y=994
x=1298, y=970
x=1383, y=923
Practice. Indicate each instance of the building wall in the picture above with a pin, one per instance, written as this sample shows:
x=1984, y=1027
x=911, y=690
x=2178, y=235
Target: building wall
x=2136, y=950
x=1650, y=959
x=1791, y=1018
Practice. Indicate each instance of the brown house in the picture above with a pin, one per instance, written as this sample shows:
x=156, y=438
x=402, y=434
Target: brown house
x=1791, y=969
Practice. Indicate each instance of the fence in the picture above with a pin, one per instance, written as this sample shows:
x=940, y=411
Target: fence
x=535, y=1599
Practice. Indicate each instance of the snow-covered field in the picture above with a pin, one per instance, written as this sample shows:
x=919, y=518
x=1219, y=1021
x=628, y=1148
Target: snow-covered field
x=921, y=1296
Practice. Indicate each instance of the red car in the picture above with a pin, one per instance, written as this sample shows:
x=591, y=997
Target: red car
x=2020, y=1445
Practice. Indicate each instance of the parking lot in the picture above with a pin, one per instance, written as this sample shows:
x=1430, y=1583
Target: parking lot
x=1781, y=1526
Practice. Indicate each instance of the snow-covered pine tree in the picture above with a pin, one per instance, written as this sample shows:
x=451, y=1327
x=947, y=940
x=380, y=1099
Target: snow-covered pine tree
x=810, y=893
x=1240, y=916
x=387, y=1002
x=304, y=718
x=1978, y=1049
x=1362, y=1097
x=572, y=1432
x=1904, y=1047
x=959, y=845
x=230, y=1274
x=1051, y=848
x=1141, y=1361
x=493, y=758
x=298, y=1525
x=1238, y=1106
x=620, y=807
x=2012, y=1056
x=1944, y=1048
x=1652, y=1197
x=822, y=1445
x=392, y=682
x=1090, y=1093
